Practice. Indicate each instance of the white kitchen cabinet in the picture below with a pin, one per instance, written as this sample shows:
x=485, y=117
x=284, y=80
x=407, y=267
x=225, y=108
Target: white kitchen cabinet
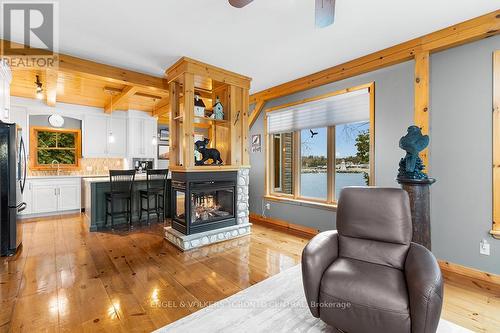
x=97, y=134
x=5, y=80
x=44, y=196
x=118, y=146
x=136, y=137
x=142, y=131
x=151, y=136
x=69, y=196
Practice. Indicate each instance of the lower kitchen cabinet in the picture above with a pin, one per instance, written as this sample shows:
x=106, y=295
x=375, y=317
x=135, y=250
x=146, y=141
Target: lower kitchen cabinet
x=45, y=196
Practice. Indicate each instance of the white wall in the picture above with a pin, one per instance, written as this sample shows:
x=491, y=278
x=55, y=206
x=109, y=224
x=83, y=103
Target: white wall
x=22, y=108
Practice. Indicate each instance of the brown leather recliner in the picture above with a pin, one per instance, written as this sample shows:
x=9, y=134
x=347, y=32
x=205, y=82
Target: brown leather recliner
x=368, y=276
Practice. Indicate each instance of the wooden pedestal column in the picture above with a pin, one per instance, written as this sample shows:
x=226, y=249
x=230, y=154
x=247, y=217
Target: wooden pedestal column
x=419, y=192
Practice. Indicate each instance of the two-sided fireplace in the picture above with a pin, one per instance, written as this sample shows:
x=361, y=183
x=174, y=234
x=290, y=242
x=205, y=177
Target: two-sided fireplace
x=203, y=201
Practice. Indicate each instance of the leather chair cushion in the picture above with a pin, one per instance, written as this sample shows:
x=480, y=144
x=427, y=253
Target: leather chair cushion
x=381, y=214
x=377, y=297
x=382, y=253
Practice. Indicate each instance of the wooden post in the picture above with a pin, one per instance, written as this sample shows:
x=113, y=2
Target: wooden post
x=245, y=158
x=235, y=115
x=188, y=121
x=496, y=144
x=173, y=128
x=421, y=111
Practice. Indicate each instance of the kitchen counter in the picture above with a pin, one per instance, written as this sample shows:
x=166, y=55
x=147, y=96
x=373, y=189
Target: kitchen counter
x=65, y=176
x=94, y=197
x=104, y=179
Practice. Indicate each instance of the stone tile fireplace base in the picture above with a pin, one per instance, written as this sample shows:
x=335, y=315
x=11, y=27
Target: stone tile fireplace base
x=242, y=227
x=190, y=242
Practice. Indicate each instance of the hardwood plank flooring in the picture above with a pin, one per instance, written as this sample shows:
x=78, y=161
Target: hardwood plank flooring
x=67, y=279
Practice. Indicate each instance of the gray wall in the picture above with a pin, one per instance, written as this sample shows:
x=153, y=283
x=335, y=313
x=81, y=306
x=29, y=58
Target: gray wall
x=43, y=120
x=461, y=154
x=460, y=151
x=393, y=114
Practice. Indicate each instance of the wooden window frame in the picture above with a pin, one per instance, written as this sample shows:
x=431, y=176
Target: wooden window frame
x=495, y=230
x=34, y=148
x=295, y=197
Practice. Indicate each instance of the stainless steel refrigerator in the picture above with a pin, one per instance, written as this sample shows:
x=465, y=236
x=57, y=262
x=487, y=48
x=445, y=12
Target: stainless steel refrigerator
x=12, y=181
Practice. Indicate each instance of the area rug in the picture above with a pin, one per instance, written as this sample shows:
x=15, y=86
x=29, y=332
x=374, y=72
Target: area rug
x=276, y=304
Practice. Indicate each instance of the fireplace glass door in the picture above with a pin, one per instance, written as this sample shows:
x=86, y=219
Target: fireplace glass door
x=210, y=206
x=180, y=199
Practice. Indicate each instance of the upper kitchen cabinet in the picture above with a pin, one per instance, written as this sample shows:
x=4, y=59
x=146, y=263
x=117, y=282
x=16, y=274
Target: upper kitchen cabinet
x=95, y=136
x=5, y=80
x=105, y=136
x=117, y=137
x=142, y=137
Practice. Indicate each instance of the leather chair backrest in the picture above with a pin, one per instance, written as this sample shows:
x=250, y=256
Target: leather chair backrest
x=374, y=225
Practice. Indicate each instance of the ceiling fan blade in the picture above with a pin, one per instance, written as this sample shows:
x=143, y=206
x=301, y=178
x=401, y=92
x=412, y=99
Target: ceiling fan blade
x=325, y=13
x=239, y=3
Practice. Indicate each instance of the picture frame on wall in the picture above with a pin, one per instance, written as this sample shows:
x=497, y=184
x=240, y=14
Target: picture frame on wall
x=164, y=134
x=163, y=152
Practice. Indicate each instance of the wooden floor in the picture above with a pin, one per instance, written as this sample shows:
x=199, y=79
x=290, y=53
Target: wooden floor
x=68, y=279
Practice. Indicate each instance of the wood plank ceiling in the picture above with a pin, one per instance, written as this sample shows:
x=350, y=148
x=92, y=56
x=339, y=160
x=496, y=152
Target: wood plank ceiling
x=82, y=82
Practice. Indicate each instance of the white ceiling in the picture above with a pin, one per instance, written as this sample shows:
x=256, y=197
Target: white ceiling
x=272, y=41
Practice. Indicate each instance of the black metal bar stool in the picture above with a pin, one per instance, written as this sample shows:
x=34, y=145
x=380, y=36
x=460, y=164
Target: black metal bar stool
x=156, y=182
x=122, y=182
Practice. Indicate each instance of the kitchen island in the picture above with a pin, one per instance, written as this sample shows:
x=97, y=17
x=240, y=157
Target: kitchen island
x=94, y=202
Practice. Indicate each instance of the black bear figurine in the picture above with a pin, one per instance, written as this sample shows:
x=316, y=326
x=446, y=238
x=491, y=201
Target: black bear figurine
x=207, y=153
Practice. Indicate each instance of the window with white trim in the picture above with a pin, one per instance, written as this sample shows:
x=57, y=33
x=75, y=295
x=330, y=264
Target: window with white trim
x=320, y=145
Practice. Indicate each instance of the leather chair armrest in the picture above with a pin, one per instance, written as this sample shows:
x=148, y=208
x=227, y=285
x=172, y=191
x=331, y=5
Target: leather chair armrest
x=317, y=256
x=425, y=288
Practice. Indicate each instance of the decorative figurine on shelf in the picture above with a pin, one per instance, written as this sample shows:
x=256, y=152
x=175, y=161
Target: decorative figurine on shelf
x=218, y=110
x=199, y=106
x=411, y=166
x=207, y=153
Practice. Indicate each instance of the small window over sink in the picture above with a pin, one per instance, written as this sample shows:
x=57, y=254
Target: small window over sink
x=55, y=148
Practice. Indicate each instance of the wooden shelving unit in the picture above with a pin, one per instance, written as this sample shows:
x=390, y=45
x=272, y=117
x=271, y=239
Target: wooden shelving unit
x=189, y=77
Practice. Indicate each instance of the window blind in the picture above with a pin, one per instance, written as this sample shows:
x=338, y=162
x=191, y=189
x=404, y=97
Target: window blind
x=350, y=107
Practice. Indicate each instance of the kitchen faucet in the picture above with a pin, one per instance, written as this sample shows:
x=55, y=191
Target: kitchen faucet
x=58, y=165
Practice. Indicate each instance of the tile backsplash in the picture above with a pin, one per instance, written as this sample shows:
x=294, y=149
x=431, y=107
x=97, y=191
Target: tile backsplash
x=88, y=167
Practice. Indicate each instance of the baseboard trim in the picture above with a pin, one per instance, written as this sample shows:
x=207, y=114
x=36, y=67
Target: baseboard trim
x=295, y=229
x=472, y=273
x=446, y=267
x=45, y=216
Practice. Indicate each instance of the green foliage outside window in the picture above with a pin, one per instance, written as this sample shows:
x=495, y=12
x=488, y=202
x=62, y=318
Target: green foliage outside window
x=57, y=148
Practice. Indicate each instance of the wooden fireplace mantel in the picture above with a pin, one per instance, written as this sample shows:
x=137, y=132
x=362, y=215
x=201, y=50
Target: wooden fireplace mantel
x=208, y=168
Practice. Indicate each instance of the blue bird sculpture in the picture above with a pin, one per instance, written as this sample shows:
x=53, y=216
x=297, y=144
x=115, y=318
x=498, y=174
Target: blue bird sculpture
x=411, y=166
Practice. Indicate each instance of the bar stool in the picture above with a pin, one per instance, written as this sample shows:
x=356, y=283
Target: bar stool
x=122, y=182
x=156, y=182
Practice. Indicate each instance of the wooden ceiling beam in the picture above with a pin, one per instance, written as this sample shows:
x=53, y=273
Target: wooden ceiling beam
x=255, y=113
x=95, y=70
x=465, y=32
x=163, y=108
x=124, y=96
x=117, y=91
x=51, y=77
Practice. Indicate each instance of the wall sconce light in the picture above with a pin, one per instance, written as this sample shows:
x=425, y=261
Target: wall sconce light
x=39, y=89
